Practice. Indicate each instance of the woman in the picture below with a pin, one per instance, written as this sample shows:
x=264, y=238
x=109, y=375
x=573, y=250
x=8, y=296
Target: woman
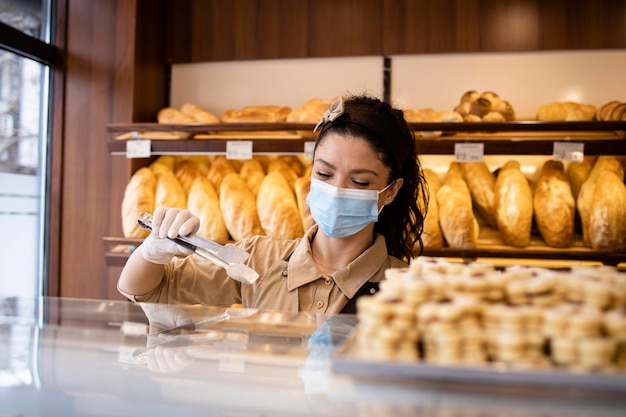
x=365, y=184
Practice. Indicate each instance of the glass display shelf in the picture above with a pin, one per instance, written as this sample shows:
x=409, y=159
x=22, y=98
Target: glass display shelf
x=75, y=357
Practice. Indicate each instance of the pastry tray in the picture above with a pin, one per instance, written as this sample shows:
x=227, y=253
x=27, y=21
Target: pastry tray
x=492, y=376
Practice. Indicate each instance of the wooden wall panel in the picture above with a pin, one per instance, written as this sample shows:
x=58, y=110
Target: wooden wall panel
x=220, y=30
x=98, y=70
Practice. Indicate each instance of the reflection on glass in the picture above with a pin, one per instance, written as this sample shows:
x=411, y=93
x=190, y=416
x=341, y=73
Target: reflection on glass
x=23, y=94
x=28, y=16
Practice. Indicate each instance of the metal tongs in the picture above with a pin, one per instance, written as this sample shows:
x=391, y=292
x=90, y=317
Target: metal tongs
x=229, y=257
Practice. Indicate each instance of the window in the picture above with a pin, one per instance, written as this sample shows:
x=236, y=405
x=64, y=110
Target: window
x=26, y=59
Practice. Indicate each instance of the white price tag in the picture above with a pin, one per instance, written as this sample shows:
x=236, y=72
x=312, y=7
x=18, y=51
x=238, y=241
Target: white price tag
x=469, y=152
x=239, y=149
x=138, y=148
x=308, y=149
x=568, y=151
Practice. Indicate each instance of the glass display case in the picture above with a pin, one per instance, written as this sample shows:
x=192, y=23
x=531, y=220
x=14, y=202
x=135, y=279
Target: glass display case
x=74, y=357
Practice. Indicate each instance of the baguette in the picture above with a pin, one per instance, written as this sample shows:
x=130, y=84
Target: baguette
x=139, y=197
x=481, y=183
x=204, y=203
x=278, y=209
x=238, y=207
x=456, y=216
x=432, y=237
x=607, y=217
x=514, y=205
x=554, y=205
x=302, y=188
x=170, y=192
x=252, y=173
x=586, y=195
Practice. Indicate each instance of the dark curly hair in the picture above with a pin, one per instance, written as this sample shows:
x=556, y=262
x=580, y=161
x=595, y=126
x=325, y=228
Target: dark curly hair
x=386, y=130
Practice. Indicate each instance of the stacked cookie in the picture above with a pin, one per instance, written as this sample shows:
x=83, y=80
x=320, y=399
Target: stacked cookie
x=451, y=313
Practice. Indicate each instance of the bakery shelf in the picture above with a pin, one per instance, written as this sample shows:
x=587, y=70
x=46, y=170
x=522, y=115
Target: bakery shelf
x=508, y=138
x=117, y=250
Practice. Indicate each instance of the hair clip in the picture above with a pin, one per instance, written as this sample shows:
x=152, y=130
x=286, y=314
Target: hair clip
x=335, y=110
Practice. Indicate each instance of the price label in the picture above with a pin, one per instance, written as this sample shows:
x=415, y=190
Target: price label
x=138, y=148
x=568, y=151
x=469, y=152
x=308, y=149
x=239, y=149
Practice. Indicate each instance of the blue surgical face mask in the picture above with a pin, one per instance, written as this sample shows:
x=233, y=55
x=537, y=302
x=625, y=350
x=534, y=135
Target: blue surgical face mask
x=342, y=212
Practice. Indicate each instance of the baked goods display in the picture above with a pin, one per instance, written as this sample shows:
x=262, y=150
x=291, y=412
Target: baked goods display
x=233, y=199
x=613, y=110
x=568, y=111
x=554, y=205
x=450, y=313
x=138, y=198
x=267, y=113
x=311, y=111
x=456, y=216
x=484, y=107
x=561, y=207
x=429, y=115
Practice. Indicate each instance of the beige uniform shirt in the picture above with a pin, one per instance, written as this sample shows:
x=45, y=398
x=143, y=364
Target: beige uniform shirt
x=288, y=278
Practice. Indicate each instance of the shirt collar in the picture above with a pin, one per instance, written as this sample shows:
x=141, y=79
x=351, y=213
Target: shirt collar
x=302, y=270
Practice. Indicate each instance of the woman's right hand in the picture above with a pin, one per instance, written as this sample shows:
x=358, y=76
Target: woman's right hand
x=168, y=223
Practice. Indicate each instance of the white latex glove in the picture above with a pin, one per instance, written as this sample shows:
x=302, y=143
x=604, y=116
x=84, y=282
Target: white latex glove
x=168, y=223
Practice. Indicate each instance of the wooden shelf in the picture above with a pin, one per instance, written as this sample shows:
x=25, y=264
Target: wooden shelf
x=509, y=138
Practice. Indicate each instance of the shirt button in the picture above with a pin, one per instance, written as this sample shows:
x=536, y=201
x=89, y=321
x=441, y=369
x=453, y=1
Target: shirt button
x=284, y=274
x=327, y=281
x=320, y=304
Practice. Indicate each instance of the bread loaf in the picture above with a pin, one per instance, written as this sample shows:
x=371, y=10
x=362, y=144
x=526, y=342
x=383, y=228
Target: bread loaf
x=587, y=191
x=481, y=183
x=169, y=115
x=164, y=163
x=566, y=111
x=456, y=216
x=259, y=114
x=238, y=207
x=278, y=209
x=577, y=173
x=220, y=167
x=432, y=236
x=187, y=171
x=252, y=173
x=514, y=205
x=607, y=217
x=458, y=224
x=203, y=202
x=310, y=112
x=280, y=166
x=169, y=192
x=554, y=205
x=198, y=114
x=139, y=197
x=302, y=188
